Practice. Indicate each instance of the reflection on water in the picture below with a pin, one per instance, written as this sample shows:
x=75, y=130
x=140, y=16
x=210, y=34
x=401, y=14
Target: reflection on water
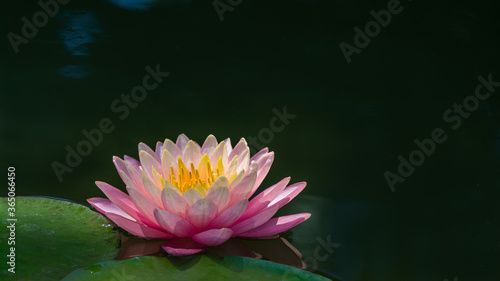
x=145, y=5
x=79, y=30
x=277, y=249
x=137, y=5
x=75, y=71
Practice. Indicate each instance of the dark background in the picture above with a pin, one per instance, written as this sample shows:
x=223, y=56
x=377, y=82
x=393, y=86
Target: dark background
x=352, y=121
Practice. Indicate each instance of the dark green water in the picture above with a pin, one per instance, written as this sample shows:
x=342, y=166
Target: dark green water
x=352, y=120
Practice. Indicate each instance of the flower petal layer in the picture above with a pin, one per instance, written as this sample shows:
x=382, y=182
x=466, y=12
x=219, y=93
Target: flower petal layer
x=120, y=199
x=254, y=221
x=288, y=194
x=168, y=162
x=277, y=225
x=192, y=196
x=174, y=202
x=138, y=229
x=148, y=163
x=243, y=188
x=220, y=196
x=145, y=206
x=144, y=147
x=209, y=145
x=107, y=207
x=202, y=213
x=264, y=165
x=238, y=149
x=172, y=148
x=174, y=224
x=213, y=237
x=159, y=148
x=264, y=198
x=219, y=152
x=182, y=141
x=191, y=153
x=230, y=215
x=151, y=189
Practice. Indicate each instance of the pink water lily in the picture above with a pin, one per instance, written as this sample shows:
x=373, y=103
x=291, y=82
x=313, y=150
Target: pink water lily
x=197, y=196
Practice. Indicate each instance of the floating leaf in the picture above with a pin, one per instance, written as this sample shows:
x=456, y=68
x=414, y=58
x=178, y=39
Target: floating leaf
x=54, y=237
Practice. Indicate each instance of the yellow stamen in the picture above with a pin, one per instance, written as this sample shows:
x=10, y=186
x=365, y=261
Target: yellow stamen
x=233, y=177
x=198, y=178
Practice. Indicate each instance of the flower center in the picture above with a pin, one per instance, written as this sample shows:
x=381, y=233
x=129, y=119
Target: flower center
x=200, y=178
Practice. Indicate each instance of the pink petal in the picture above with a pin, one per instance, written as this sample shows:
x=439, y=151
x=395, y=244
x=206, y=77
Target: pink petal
x=218, y=182
x=244, y=187
x=262, y=153
x=263, y=199
x=238, y=149
x=254, y=221
x=191, y=154
x=220, y=196
x=167, y=184
x=134, y=171
x=213, y=237
x=174, y=202
x=120, y=199
x=151, y=189
x=172, y=148
x=243, y=160
x=288, y=194
x=281, y=200
x=264, y=168
x=125, y=173
x=140, y=188
x=277, y=225
x=209, y=145
x=219, y=151
x=107, y=207
x=132, y=162
x=148, y=162
x=120, y=166
x=191, y=196
x=202, y=213
x=229, y=147
x=182, y=141
x=230, y=215
x=239, y=177
x=159, y=148
x=145, y=206
x=138, y=229
x=174, y=224
x=244, y=176
x=182, y=247
x=144, y=147
x=230, y=169
x=167, y=161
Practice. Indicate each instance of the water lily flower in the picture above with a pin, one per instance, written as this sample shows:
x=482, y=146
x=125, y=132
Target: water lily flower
x=197, y=196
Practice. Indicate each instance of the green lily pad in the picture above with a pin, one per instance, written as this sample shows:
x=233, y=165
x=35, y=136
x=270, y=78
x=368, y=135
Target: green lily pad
x=53, y=237
x=198, y=267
